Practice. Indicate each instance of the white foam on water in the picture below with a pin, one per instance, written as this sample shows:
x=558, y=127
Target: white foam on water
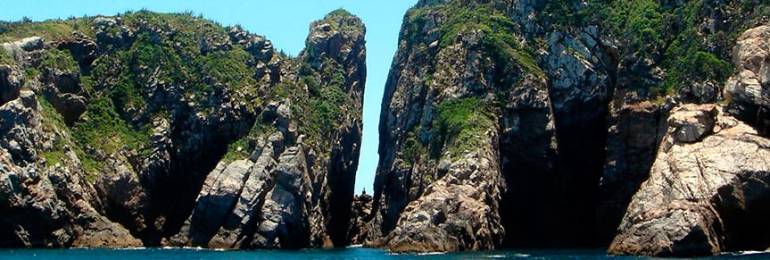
x=746, y=253
x=432, y=253
x=132, y=248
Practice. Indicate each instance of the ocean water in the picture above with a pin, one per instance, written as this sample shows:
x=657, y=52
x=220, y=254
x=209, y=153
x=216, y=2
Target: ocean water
x=348, y=253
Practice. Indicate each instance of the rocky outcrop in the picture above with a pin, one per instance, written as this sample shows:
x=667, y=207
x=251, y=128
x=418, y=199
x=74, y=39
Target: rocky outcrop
x=577, y=95
x=440, y=182
x=747, y=90
x=11, y=81
x=360, y=212
x=289, y=191
x=706, y=192
x=48, y=205
x=19, y=50
x=457, y=211
x=536, y=161
x=134, y=134
x=83, y=50
x=286, y=214
x=635, y=130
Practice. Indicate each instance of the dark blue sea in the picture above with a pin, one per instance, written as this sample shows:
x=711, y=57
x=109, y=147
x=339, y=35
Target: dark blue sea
x=349, y=253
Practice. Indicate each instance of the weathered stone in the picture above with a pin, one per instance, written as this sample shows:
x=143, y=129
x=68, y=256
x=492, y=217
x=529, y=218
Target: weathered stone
x=82, y=49
x=285, y=212
x=156, y=176
x=747, y=90
x=123, y=197
x=218, y=196
x=635, y=130
x=11, y=81
x=703, y=196
x=690, y=125
x=19, y=49
x=360, y=213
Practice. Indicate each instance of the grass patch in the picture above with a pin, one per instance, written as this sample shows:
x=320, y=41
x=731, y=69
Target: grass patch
x=242, y=148
x=460, y=125
x=414, y=148
x=5, y=58
x=53, y=157
x=52, y=122
x=51, y=30
x=59, y=59
x=499, y=34
x=103, y=129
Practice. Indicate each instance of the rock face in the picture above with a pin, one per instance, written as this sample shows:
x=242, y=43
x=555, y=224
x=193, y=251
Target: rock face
x=296, y=188
x=706, y=191
x=747, y=90
x=635, y=130
x=535, y=123
x=439, y=181
x=478, y=141
x=360, y=212
x=50, y=206
x=504, y=124
x=134, y=134
x=11, y=81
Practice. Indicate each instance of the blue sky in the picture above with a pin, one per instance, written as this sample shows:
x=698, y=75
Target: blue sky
x=285, y=22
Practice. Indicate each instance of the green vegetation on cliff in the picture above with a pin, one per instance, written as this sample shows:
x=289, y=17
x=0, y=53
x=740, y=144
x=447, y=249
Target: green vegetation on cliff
x=50, y=30
x=460, y=125
x=500, y=35
x=58, y=59
x=678, y=37
x=689, y=40
x=185, y=56
x=6, y=58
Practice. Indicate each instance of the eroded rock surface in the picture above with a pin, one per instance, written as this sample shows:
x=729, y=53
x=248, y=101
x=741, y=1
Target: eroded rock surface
x=292, y=190
x=707, y=187
x=747, y=90
x=155, y=129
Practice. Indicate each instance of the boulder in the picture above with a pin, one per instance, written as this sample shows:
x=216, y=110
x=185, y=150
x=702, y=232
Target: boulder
x=19, y=49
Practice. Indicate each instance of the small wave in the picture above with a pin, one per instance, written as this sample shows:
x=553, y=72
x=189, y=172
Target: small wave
x=506, y=256
x=195, y=248
x=432, y=253
x=133, y=248
x=740, y=253
x=356, y=246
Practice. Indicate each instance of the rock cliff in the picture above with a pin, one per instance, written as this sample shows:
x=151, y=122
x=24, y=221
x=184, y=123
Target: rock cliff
x=149, y=129
x=638, y=126
x=536, y=123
